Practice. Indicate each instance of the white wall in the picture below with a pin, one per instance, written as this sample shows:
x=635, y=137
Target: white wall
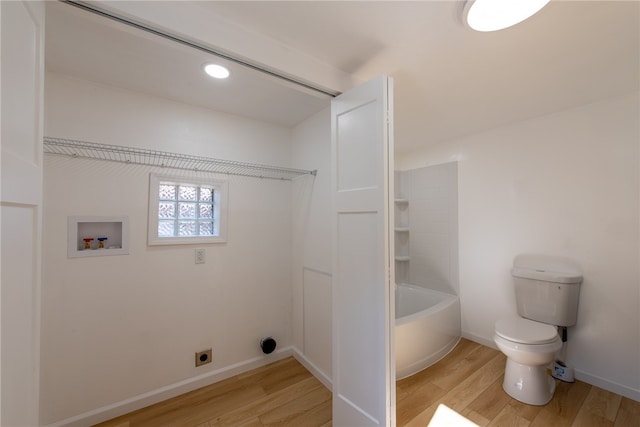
x=117, y=327
x=564, y=184
x=312, y=245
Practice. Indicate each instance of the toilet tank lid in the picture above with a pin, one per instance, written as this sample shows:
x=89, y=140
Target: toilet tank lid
x=525, y=331
x=547, y=275
x=547, y=268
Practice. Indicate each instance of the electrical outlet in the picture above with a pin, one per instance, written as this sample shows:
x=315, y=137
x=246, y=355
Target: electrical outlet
x=203, y=357
x=200, y=256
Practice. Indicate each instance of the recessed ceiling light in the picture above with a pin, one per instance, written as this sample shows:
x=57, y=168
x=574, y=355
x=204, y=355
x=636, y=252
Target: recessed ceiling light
x=493, y=15
x=216, y=71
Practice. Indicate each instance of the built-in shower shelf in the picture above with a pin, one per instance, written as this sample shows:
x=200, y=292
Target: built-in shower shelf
x=141, y=156
x=402, y=229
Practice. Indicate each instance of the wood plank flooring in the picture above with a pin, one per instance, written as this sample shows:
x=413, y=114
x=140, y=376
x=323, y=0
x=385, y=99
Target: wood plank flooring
x=283, y=393
x=468, y=380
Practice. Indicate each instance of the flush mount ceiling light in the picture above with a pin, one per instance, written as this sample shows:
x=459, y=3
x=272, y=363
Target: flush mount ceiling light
x=493, y=15
x=216, y=71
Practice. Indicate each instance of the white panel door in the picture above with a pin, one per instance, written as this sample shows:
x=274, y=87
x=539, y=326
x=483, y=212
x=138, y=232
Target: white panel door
x=21, y=87
x=362, y=155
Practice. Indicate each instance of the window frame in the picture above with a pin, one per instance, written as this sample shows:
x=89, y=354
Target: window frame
x=220, y=200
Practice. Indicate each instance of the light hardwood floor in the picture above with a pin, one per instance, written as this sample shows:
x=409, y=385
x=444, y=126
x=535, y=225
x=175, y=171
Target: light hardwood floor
x=468, y=380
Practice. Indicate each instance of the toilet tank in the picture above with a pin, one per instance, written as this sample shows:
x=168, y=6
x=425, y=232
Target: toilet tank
x=547, y=288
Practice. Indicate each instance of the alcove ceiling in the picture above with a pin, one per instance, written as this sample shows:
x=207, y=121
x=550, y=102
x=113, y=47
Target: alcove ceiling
x=449, y=80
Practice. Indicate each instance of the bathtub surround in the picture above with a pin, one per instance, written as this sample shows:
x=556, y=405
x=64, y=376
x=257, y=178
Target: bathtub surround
x=432, y=204
x=564, y=184
x=426, y=239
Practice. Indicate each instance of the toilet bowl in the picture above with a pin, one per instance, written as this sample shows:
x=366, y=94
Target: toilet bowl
x=530, y=347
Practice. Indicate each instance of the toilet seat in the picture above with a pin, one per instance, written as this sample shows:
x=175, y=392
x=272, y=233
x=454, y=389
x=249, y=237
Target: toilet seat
x=524, y=331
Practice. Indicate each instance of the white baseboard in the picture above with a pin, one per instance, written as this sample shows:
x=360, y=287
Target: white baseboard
x=311, y=367
x=480, y=340
x=167, y=392
x=608, y=385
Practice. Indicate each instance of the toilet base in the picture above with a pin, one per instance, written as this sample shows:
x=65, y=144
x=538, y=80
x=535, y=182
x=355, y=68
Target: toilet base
x=528, y=384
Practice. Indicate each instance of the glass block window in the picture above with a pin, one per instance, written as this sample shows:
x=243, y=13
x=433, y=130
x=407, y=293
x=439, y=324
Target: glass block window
x=186, y=211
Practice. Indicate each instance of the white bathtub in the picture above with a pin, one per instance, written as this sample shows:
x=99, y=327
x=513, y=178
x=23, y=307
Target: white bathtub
x=427, y=328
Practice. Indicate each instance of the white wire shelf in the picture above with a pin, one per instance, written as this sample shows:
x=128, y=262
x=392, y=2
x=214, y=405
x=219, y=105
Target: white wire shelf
x=141, y=156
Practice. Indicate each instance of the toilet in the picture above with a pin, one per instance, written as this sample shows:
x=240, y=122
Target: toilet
x=547, y=289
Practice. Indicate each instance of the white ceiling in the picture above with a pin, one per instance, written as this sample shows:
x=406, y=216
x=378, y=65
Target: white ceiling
x=449, y=81
x=87, y=46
